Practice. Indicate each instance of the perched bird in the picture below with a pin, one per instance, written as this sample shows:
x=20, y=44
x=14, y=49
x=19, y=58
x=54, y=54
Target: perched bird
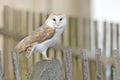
x=43, y=37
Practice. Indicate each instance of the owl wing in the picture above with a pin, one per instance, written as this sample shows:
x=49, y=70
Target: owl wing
x=40, y=35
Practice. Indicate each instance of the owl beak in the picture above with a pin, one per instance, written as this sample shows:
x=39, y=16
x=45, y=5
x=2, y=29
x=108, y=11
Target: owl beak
x=58, y=27
x=57, y=23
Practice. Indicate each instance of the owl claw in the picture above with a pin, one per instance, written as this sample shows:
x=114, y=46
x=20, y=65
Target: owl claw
x=46, y=58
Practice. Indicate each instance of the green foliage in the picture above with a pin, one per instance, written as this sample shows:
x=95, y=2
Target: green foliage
x=27, y=76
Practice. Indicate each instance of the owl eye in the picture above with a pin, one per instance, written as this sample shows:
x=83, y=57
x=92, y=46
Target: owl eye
x=54, y=19
x=61, y=19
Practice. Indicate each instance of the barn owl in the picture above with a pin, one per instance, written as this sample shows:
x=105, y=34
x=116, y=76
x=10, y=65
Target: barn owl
x=43, y=37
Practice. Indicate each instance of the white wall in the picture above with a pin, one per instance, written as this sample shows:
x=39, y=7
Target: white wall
x=106, y=10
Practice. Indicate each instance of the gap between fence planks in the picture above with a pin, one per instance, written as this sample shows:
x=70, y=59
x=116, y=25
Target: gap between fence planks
x=16, y=66
x=68, y=64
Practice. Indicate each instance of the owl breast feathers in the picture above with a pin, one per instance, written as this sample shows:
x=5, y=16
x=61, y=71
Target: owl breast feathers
x=40, y=35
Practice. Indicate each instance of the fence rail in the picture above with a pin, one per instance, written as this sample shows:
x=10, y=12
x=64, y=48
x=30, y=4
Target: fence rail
x=69, y=62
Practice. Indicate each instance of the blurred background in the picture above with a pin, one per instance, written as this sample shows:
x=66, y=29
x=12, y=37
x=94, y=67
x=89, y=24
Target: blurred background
x=91, y=24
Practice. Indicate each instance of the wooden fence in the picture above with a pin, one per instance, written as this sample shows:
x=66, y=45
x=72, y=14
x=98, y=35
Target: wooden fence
x=79, y=33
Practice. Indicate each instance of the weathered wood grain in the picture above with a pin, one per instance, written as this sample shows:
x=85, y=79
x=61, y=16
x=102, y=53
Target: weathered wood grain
x=47, y=70
x=117, y=63
x=98, y=65
x=16, y=66
x=86, y=75
x=68, y=64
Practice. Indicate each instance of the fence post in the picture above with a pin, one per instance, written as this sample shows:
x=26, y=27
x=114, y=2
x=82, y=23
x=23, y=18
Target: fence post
x=1, y=74
x=117, y=63
x=68, y=64
x=16, y=66
x=85, y=65
x=98, y=65
x=47, y=70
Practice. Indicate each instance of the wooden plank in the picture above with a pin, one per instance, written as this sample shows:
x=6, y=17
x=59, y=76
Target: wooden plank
x=29, y=19
x=16, y=66
x=73, y=32
x=98, y=65
x=115, y=44
x=104, y=38
x=111, y=38
x=69, y=24
x=1, y=71
x=10, y=43
x=80, y=34
x=40, y=19
x=5, y=24
x=118, y=35
x=22, y=28
x=87, y=37
x=105, y=24
x=85, y=65
x=5, y=55
x=111, y=48
x=96, y=33
x=68, y=64
x=86, y=33
x=23, y=20
x=83, y=28
x=76, y=32
x=116, y=55
x=90, y=34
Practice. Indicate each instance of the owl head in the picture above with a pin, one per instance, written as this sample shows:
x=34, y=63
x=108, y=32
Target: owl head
x=56, y=20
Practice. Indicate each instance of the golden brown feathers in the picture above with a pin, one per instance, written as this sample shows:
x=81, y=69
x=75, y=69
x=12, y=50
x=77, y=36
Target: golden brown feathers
x=40, y=35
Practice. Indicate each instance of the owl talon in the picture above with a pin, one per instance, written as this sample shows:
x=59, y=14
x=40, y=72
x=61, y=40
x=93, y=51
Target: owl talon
x=46, y=58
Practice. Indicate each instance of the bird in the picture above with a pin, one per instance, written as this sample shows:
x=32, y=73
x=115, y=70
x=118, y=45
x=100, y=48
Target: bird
x=43, y=37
